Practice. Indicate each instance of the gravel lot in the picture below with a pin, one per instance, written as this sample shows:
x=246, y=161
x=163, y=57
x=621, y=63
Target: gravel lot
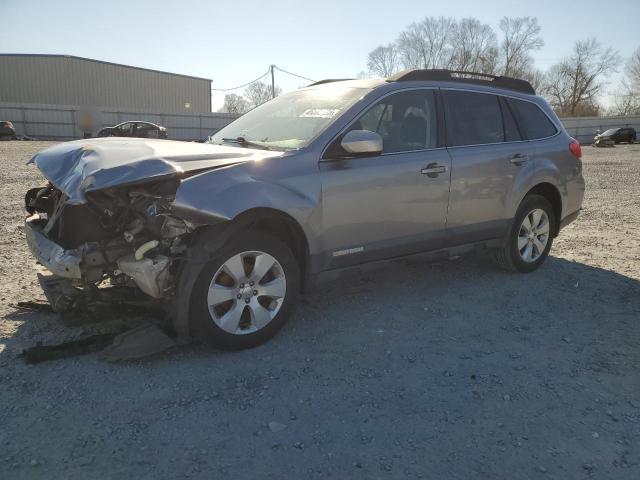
x=448, y=370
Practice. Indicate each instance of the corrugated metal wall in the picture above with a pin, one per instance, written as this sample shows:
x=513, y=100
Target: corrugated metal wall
x=60, y=122
x=65, y=80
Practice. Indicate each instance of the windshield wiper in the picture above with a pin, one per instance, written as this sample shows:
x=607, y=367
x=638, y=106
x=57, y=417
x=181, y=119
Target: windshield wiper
x=246, y=143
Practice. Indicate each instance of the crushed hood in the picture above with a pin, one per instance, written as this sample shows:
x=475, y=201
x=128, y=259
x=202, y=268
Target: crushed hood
x=94, y=164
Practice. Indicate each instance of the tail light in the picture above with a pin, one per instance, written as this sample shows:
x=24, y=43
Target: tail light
x=574, y=148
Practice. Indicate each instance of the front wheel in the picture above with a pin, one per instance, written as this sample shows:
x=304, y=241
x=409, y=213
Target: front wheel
x=529, y=240
x=245, y=294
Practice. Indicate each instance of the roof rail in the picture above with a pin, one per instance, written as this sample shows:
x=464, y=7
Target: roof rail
x=464, y=77
x=329, y=80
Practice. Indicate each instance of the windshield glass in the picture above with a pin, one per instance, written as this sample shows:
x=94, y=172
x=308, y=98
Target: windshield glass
x=292, y=120
x=611, y=131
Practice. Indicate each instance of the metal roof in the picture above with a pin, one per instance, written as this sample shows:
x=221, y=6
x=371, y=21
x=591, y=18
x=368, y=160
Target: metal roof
x=99, y=61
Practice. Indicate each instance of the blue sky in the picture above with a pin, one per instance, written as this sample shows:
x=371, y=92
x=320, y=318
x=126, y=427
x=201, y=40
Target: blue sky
x=233, y=42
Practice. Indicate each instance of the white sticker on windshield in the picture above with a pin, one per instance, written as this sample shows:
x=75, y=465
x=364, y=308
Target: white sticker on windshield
x=319, y=112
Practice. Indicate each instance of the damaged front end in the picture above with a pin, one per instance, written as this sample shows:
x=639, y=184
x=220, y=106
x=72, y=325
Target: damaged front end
x=121, y=235
x=109, y=216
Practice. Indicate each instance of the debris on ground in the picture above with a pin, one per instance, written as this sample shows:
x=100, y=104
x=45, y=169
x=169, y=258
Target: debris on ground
x=42, y=353
x=276, y=427
x=143, y=341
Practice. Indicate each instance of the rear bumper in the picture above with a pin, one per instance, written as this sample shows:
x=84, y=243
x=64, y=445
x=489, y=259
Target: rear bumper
x=61, y=262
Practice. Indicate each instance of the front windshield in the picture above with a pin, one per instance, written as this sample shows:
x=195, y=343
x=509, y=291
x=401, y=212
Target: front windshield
x=611, y=131
x=292, y=120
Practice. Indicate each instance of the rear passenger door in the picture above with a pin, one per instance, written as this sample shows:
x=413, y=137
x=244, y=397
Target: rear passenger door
x=487, y=152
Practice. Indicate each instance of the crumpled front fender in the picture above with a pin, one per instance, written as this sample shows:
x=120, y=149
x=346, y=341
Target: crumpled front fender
x=222, y=195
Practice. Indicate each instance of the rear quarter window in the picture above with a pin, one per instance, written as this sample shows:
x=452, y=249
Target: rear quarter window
x=534, y=123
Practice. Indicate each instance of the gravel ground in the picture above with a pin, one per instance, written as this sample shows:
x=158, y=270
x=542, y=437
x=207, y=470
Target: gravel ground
x=448, y=370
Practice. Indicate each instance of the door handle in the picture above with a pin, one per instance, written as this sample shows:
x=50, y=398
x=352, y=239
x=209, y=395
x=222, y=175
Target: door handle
x=519, y=159
x=433, y=170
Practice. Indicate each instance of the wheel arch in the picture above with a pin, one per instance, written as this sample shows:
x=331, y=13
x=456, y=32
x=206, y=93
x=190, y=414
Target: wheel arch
x=282, y=226
x=552, y=194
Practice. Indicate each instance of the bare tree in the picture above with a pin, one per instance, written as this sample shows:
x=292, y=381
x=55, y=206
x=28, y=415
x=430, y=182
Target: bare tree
x=474, y=47
x=426, y=44
x=521, y=36
x=535, y=77
x=627, y=96
x=574, y=84
x=383, y=60
x=626, y=101
x=633, y=69
x=258, y=93
x=234, y=103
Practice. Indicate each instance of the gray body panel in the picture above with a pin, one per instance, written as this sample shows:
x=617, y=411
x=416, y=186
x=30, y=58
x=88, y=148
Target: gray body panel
x=383, y=205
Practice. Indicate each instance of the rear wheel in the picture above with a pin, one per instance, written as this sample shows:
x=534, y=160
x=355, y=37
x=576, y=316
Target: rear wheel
x=530, y=237
x=246, y=293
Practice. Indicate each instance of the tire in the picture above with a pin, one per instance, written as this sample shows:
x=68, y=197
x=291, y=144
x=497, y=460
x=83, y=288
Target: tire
x=510, y=257
x=254, y=326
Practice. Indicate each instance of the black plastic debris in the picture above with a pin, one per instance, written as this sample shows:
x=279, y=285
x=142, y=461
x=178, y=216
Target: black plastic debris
x=42, y=353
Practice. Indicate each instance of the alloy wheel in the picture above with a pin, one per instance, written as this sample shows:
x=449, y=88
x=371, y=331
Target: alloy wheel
x=246, y=292
x=533, y=235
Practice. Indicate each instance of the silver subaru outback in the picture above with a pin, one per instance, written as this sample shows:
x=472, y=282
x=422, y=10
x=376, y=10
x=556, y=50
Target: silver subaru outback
x=341, y=173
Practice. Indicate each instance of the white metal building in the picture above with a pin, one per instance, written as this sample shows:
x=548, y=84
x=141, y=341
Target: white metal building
x=69, y=80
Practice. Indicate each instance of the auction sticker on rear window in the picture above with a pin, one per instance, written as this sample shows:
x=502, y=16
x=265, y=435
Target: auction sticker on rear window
x=319, y=112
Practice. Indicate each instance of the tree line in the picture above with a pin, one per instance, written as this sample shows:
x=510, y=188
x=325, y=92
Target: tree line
x=573, y=85
x=254, y=94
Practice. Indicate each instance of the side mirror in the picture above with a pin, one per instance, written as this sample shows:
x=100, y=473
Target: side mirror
x=362, y=142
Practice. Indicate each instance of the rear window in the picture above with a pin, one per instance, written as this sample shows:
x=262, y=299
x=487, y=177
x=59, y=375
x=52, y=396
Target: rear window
x=472, y=118
x=533, y=121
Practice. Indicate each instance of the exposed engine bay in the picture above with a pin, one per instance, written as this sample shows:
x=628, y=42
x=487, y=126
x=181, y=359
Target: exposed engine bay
x=121, y=234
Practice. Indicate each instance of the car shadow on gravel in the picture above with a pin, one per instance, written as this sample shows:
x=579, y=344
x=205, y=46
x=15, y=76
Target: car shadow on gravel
x=406, y=302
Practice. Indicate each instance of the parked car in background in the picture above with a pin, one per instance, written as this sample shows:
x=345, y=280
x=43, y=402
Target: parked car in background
x=334, y=175
x=136, y=129
x=616, y=135
x=7, y=132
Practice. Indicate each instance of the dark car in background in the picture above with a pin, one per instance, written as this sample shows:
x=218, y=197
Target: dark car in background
x=7, y=132
x=134, y=129
x=617, y=135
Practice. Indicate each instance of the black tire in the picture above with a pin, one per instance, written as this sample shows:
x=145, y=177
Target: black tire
x=508, y=257
x=202, y=324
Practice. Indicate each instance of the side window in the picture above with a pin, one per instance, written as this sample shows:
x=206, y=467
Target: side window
x=142, y=130
x=406, y=121
x=511, y=132
x=472, y=118
x=125, y=129
x=533, y=122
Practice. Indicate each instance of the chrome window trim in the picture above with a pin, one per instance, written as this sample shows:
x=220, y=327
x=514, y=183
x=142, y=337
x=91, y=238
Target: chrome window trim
x=360, y=113
x=558, y=129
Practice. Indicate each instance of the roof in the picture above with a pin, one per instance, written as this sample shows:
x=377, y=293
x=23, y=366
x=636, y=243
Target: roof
x=99, y=61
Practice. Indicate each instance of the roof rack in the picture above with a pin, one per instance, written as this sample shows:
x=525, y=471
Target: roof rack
x=329, y=80
x=464, y=77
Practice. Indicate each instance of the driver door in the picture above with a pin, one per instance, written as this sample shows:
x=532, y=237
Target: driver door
x=394, y=203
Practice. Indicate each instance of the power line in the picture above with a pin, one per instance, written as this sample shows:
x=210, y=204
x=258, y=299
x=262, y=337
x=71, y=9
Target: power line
x=261, y=77
x=294, y=74
x=244, y=84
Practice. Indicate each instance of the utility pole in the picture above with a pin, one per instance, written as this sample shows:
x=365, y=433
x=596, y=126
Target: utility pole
x=273, y=83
